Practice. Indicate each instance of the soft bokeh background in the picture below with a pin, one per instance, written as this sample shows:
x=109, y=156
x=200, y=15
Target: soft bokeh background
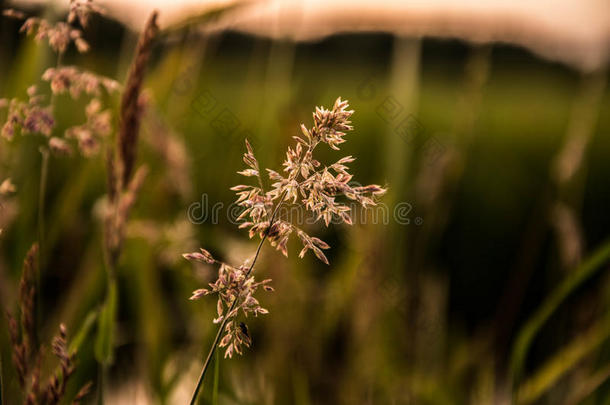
x=497, y=163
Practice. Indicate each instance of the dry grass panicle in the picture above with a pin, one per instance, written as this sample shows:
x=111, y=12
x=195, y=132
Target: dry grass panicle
x=307, y=184
x=131, y=102
x=122, y=188
x=23, y=333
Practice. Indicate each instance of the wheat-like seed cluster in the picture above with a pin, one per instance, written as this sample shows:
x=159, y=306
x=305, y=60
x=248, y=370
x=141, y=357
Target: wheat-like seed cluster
x=123, y=182
x=321, y=190
x=133, y=101
x=22, y=332
x=27, y=355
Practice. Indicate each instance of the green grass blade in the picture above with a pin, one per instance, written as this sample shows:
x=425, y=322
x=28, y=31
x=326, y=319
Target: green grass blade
x=588, y=386
x=101, y=370
x=1, y=385
x=105, y=333
x=80, y=336
x=576, y=278
x=83, y=332
x=301, y=389
x=563, y=361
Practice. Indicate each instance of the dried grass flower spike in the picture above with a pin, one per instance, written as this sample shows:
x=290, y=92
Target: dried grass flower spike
x=326, y=191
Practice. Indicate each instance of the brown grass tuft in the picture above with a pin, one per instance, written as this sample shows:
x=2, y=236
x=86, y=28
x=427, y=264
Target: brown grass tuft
x=19, y=356
x=23, y=333
x=56, y=387
x=27, y=297
x=131, y=104
x=27, y=355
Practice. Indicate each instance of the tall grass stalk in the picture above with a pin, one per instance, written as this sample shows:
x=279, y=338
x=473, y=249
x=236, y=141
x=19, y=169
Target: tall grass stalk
x=1, y=382
x=42, y=191
x=124, y=184
x=44, y=172
x=308, y=185
x=42, y=195
x=226, y=319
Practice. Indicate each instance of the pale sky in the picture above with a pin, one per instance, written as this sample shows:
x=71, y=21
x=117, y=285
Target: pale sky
x=576, y=32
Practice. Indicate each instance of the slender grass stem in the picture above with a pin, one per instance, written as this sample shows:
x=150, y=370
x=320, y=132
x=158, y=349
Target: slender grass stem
x=589, y=267
x=1, y=385
x=44, y=173
x=110, y=259
x=101, y=370
x=226, y=319
x=42, y=191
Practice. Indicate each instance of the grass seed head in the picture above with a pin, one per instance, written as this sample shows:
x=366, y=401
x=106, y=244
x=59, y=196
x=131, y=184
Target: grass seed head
x=307, y=184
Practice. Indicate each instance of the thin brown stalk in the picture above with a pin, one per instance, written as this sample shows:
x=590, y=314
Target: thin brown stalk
x=123, y=185
x=42, y=191
x=1, y=382
x=116, y=219
x=27, y=298
x=122, y=190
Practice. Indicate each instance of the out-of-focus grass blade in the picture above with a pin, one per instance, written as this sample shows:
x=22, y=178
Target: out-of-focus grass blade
x=301, y=389
x=25, y=68
x=216, y=376
x=1, y=386
x=563, y=361
x=587, y=386
x=105, y=332
x=146, y=293
x=83, y=332
x=68, y=201
x=527, y=333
